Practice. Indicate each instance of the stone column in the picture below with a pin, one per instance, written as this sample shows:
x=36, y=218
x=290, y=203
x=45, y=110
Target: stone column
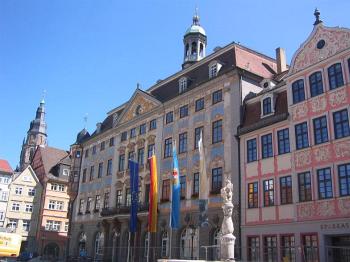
x=106, y=248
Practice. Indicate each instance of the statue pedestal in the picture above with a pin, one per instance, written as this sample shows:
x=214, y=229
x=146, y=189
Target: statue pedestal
x=227, y=247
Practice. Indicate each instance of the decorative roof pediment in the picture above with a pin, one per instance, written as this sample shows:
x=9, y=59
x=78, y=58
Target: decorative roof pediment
x=139, y=104
x=322, y=43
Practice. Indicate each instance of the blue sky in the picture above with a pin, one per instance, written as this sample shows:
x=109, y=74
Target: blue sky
x=88, y=55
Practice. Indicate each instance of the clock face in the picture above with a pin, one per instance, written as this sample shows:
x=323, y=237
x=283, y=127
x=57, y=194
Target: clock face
x=320, y=44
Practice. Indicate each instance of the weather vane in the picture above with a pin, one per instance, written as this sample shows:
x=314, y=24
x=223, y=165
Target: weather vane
x=85, y=119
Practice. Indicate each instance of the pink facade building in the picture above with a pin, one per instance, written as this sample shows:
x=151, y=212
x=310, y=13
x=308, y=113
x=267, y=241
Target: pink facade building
x=295, y=156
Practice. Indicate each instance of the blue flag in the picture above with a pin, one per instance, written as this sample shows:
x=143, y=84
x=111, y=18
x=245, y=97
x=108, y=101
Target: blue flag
x=134, y=188
x=175, y=202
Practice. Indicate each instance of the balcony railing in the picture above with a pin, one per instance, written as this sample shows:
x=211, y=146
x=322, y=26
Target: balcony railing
x=123, y=209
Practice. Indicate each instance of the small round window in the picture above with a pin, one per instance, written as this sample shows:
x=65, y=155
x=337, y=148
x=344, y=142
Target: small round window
x=138, y=110
x=320, y=44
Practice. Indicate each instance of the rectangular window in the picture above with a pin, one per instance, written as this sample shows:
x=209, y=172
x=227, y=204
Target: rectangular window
x=213, y=71
x=53, y=225
x=335, y=76
x=29, y=208
x=81, y=205
x=119, y=197
x=217, y=131
x=88, y=205
x=94, y=150
x=344, y=179
x=55, y=205
x=66, y=226
x=266, y=146
x=184, y=111
x=183, y=143
x=124, y=136
x=169, y=117
x=301, y=136
x=111, y=142
x=147, y=189
x=341, y=124
x=288, y=248
x=316, y=84
x=128, y=197
x=15, y=207
x=92, y=171
x=324, y=178
x=216, y=180
x=195, y=190
x=131, y=156
x=168, y=147
x=253, y=195
x=121, y=164
x=267, y=107
x=320, y=130
x=97, y=202
x=253, y=249
x=106, y=200
x=283, y=141
x=153, y=124
x=102, y=146
x=298, y=91
x=12, y=224
x=77, y=154
x=4, y=196
x=150, y=150
x=197, y=135
x=18, y=190
x=26, y=225
x=166, y=190
x=286, y=190
x=269, y=197
x=217, y=96
x=251, y=150
x=100, y=170
x=141, y=156
x=86, y=153
x=183, y=187
x=304, y=180
x=310, y=248
x=109, y=167
x=270, y=248
x=199, y=104
x=142, y=129
x=84, y=175
x=132, y=132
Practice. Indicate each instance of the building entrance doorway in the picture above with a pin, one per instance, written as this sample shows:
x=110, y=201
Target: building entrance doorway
x=51, y=250
x=339, y=249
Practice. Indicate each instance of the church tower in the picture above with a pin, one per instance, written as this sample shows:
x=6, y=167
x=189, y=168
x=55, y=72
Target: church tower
x=195, y=42
x=36, y=136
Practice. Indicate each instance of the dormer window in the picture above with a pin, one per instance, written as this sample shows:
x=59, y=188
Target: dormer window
x=214, y=68
x=182, y=85
x=267, y=105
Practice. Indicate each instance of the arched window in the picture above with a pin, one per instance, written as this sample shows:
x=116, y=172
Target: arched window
x=216, y=244
x=194, y=48
x=267, y=108
x=316, y=84
x=165, y=241
x=298, y=91
x=189, y=243
x=99, y=245
x=82, y=242
x=146, y=244
x=201, y=50
x=335, y=76
x=187, y=50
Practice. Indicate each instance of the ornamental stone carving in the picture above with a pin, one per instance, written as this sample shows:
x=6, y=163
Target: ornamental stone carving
x=318, y=104
x=306, y=210
x=344, y=206
x=131, y=146
x=151, y=139
x=302, y=158
x=140, y=142
x=338, y=98
x=299, y=111
x=326, y=208
x=336, y=40
x=322, y=154
x=140, y=104
x=342, y=149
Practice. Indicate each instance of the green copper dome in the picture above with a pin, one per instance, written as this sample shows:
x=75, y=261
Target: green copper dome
x=195, y=27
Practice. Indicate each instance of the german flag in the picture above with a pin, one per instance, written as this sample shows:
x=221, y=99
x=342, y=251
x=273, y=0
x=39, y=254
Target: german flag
x=153, y=195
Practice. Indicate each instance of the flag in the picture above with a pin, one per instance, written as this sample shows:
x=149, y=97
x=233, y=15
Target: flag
x=134, y=188
x=153, y=195
x=175, y=202
x=203, y=185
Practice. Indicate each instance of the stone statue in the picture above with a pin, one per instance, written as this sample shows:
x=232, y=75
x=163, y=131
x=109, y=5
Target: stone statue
x=227, y=240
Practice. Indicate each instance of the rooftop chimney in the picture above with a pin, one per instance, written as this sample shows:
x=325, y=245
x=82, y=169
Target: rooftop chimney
x=281, y=60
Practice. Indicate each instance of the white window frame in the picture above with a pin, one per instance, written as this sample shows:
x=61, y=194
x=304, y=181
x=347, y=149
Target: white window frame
x=272, y=97
x=29, y=208
x=214, y=68
x=31, y=192
x=182, y=85
x=26, y=225
x=12, y=224
x=18, y=190
x=15, y=206
x=65, y=172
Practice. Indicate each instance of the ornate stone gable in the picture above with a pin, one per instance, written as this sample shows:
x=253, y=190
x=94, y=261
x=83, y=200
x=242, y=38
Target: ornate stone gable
x=322, y=43
x=140, y=103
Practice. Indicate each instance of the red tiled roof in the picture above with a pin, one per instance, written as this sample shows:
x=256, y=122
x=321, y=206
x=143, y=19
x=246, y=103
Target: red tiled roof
x=5, y=166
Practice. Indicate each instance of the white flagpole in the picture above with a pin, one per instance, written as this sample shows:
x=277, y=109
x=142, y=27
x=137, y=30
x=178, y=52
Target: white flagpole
x=128, y=259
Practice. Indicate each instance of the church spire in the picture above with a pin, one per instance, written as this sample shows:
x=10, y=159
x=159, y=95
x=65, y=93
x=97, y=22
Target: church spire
x=36, y=136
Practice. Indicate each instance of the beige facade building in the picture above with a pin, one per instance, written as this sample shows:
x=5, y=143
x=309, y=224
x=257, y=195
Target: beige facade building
x=22, y=214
